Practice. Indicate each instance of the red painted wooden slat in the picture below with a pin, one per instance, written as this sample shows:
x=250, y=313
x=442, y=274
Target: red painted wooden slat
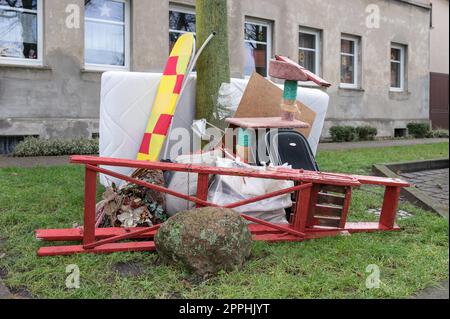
x=108, y=248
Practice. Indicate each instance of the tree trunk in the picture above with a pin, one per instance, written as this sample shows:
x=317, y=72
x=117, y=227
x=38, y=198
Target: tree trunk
x=213, y=67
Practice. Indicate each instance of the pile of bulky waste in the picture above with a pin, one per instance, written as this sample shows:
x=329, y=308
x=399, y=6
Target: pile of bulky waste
x=133, y=205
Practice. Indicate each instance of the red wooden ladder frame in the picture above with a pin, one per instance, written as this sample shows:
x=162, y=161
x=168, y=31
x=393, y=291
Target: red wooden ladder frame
x=307, y=185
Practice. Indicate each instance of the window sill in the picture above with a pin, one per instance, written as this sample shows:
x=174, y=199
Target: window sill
x=399, y=95
x=88, y=69
x=25, y=66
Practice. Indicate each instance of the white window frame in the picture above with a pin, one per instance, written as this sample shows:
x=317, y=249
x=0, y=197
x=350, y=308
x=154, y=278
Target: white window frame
x=40, y=34
x=181, y=9
x=268, y=44
x=356, y=42
x=126, y=24
x=317, y=36
x=402, y=61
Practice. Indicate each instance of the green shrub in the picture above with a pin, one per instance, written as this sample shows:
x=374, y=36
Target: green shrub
x=438, y=134
x=32, y=146
x=366, y=133
x=418, y=130
x=343, y=133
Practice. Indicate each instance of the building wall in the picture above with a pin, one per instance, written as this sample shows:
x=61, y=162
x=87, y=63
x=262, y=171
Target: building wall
x=61, y=99
x=439, y=46
x=439, y=37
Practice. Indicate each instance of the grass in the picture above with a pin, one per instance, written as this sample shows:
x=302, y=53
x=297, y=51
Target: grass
x=410, y=260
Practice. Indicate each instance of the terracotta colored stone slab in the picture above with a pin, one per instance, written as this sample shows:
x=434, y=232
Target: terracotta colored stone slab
x=265, y=122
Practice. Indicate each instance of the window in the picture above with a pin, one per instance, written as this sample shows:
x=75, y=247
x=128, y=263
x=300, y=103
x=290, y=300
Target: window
x=309, y=50
x=349, y=62
x=181, y=20
x=21, y=32
x=258, y=47
x=397, y=67
x=107, y=34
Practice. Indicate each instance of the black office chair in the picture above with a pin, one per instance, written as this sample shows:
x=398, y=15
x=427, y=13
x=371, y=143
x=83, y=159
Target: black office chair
x=292, y=148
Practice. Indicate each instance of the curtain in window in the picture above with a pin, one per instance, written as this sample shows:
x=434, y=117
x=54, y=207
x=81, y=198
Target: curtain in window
x=105, y=32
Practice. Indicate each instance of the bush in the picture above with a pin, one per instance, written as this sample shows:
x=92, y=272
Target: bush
x=438, y=134
x=366, y=133
x=418, y=130
x=33, y=146
x=343, y=133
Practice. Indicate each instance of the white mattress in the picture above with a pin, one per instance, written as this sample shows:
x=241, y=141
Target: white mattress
x=126, y=100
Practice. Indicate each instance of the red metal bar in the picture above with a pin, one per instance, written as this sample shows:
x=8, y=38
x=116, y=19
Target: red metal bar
x=131, y=234
x=302, y=208
x=390, y=205
x=202, y=187
x=90, y=192
x=269, y=195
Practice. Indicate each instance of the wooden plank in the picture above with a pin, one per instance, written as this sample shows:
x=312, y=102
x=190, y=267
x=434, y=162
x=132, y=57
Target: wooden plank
x=90, y=190
x=129, y=235
x=104, y=249
x=302, y=208
x=327, y=210
x=277, y=173
x=390, y=205
x=329, y=198
x=202, y=188
x=265, y=122
x=382, y=181
x=360, y=227
x=346, y=207
x=76, y=234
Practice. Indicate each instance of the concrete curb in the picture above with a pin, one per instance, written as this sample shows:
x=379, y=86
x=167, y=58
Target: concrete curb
x=412, y=194
x=4, y=291
x=439, y=292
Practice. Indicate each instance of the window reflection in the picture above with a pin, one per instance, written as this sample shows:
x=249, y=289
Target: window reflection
x=105, y=32
x=19, y=29
x=180, y=22
x=257, y=47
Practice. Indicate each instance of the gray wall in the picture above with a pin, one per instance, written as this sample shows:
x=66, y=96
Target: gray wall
x=61, y=99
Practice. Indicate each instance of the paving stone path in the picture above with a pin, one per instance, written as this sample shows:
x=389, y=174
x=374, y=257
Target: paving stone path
x=434, y=183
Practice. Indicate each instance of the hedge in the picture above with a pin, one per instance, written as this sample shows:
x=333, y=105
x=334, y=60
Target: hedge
x=33, y=146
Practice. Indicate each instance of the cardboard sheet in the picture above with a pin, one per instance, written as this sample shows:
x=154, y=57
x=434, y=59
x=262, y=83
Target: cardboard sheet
x=262, y=98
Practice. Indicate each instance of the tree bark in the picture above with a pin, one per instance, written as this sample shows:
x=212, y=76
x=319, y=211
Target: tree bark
x=213, y=67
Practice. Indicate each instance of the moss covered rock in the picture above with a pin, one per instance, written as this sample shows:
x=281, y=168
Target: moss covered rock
x=205, y=240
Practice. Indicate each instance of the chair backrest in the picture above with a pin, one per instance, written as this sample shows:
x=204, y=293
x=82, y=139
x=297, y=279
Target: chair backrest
x=292, y=148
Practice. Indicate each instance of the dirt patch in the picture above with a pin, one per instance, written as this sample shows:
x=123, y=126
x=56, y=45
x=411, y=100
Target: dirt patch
x=21, y=293
x=127, y=269
x=3, y=272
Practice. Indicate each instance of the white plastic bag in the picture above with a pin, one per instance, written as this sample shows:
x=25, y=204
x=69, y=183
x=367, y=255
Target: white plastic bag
x=186, y=183
x=230, y=189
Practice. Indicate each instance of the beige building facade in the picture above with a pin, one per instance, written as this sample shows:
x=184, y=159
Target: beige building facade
x=53, y=52
x=439, y=60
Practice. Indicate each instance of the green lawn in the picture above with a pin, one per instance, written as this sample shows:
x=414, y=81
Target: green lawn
x=410, y=260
